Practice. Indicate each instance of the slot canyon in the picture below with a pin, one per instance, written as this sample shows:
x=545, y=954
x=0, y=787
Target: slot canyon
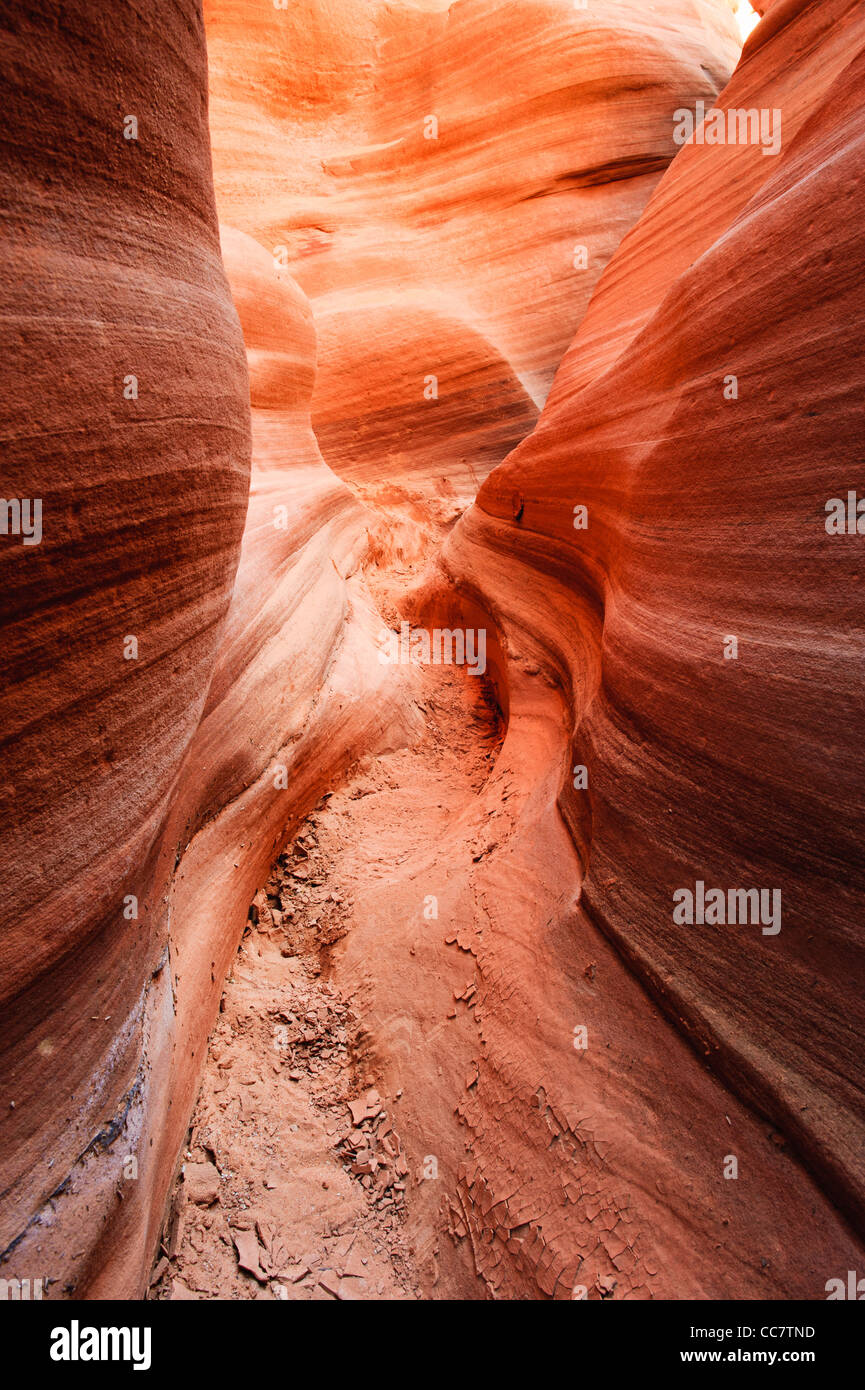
x=432, y=649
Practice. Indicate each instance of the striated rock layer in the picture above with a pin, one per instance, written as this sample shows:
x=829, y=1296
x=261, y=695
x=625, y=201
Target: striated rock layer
x=170, y=779
x=706, y=511
x=294, y=695
x=447, y=183
x=297, y=694
x=143, y=798
x=125, y=412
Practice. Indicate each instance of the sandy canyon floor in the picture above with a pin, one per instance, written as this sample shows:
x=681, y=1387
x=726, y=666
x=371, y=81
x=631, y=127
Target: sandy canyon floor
x=296, y=1185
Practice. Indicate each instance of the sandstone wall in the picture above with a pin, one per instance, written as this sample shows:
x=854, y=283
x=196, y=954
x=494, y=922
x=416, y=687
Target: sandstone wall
x=110, y=270
x=706, y=519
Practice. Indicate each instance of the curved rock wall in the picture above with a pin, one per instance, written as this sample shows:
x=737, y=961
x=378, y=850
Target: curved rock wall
x=447, y=183
x=297, y=695
x=730, y=763
x=125, y=413
x=432, y=211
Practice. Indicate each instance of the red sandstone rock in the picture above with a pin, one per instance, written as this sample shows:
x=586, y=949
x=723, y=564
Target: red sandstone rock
x=429, y=173
x=706, y=519
x=604, y=643
x=296, y=695
x=109, y=270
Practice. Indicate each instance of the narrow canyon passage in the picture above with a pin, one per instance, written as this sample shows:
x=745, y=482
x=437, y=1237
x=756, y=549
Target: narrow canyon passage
x=330, y=974
x=432, y=1076
x=276, y=1164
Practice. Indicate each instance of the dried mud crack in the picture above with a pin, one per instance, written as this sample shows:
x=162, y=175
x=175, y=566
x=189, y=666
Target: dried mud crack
x=295, y=1183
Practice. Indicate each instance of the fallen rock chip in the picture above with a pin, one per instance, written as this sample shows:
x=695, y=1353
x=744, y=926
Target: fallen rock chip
x=248, y=1254
x=354, y=1267
x=330, y=1282
x=180, y=1292
x=201, y=1183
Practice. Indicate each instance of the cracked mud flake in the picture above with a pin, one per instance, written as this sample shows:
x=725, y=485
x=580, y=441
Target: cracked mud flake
x=295, y=1180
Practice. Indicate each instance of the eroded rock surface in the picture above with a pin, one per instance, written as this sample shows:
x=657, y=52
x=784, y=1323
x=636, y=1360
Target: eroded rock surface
x=370, y=254
x=447, y=183
x=125, y=413
x=706, y=512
